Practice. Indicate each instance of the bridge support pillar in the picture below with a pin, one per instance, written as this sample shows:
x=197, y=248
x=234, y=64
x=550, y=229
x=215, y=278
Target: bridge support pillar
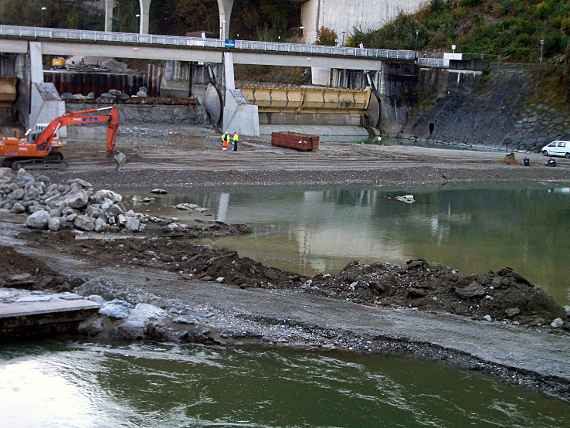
x=109, y=7
x=238, y=115
x=145, y=16
x=36, y=63
x=225, y=8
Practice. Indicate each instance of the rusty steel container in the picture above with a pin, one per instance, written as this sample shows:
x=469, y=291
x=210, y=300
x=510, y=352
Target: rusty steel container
x=295, y=141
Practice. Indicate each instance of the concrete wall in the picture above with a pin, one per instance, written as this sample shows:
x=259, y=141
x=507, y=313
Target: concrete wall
x=46, y=106
x=343, y=16
x=320, y=119
x=134, y=114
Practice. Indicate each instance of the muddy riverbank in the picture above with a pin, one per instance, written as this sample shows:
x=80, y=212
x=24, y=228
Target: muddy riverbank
x=226, y=314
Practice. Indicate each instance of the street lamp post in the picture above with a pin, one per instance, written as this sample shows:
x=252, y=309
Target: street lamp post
x=44, y=8
x=541, y=50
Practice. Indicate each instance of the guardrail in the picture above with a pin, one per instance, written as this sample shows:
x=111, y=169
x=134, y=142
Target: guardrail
x=195, y=42
x=432, y=62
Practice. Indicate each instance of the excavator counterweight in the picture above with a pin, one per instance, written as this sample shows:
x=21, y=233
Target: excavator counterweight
x=42, y=148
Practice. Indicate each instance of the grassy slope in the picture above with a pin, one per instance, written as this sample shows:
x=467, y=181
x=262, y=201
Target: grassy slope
x=508, y=29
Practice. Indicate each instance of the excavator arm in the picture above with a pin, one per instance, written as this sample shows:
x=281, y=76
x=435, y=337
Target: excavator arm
x=81, y=118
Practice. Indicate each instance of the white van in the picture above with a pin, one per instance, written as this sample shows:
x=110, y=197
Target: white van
x=557, y=148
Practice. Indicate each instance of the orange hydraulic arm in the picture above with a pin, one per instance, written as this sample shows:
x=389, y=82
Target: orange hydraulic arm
x=46, y=143
x=78, y=118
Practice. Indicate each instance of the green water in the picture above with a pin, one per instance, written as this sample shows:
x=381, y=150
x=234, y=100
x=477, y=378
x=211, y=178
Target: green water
x=87, y=385
x=474, y=229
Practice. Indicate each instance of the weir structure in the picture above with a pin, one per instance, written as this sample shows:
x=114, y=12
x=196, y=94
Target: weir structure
x=33, y=43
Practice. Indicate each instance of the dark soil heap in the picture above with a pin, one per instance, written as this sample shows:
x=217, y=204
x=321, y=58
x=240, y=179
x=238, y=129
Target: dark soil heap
x=502, y=295
x=20, y=271
x=189, y=260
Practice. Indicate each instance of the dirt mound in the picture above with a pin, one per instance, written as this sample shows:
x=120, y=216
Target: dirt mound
x=189, y=260
x=20, y=271
x=501, y=295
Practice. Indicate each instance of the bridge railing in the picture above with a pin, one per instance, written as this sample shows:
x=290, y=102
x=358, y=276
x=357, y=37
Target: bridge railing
x=179, y=41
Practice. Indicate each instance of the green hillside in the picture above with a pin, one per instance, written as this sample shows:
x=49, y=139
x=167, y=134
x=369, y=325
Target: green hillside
x=509, y=29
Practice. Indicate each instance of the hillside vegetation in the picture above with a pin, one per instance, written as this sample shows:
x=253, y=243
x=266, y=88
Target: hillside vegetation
x=511, y=30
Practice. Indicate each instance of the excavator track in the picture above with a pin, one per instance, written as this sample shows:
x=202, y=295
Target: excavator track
x=52, y=161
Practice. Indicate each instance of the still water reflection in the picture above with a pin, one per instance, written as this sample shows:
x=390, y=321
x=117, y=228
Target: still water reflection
x=87, y=385
x=472, y=228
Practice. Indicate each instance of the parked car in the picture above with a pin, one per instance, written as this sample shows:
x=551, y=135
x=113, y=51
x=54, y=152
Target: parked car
x=557, y=148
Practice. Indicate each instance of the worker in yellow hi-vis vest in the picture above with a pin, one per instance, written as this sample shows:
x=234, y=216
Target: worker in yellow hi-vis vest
x=235, y=141
x=226, y=141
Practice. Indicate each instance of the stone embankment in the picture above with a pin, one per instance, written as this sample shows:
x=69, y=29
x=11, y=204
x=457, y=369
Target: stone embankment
x=77, y=206
x=74, y=205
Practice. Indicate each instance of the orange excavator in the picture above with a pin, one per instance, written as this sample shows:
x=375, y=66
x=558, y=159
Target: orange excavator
x=41, y=148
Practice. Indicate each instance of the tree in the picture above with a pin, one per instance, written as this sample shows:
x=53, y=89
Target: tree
x=327, y=37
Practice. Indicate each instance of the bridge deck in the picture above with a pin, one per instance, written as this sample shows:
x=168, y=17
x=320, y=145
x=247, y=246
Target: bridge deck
x=130, y=39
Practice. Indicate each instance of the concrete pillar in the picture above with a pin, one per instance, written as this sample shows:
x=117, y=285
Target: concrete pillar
x=109, y=7
x=36, y=63
x=145, y=16
x=225, y=8
x=229, y=77
x=321, y=76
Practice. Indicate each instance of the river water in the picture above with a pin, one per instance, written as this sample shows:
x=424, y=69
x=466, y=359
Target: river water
x=88, y=385
x=473, y=228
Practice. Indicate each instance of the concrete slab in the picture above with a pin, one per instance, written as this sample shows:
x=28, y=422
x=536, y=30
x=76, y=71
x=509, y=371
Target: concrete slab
x=44, y=306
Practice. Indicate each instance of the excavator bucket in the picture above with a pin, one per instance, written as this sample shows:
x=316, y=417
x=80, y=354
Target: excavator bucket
x=120, y=159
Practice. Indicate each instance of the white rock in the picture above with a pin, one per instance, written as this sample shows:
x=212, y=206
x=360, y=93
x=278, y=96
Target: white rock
x=567, y=310
x=158, y=191
x=77, y=200
x=184, y=207
x=18, y=208
x=133, y=224
x=220, y=279
x=557, y=323
x=488, y=318
x=100, y=225
x=97, y=299
x=54, y=224
x=85, y=223
x=38, y=220
x=103, y=194
x=138, y=319
x=117, y=309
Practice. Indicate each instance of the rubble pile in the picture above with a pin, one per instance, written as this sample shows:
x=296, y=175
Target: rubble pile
x=74, y=205
x=502, y=295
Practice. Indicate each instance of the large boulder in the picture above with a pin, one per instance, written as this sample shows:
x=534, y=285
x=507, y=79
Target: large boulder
x=54, y=224
x=23, y=177
x=101, y=195
x=133, y=224
x=100, y=225
x=85, y=223
x=77, y=200
x=117, y=309
x=38, y=220
x=141, y=317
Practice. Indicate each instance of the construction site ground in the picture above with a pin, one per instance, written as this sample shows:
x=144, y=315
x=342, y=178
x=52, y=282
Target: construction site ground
x=177, y=157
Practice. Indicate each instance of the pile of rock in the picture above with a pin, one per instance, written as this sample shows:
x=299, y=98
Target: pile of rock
x=74, y=205
x=502, y=295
